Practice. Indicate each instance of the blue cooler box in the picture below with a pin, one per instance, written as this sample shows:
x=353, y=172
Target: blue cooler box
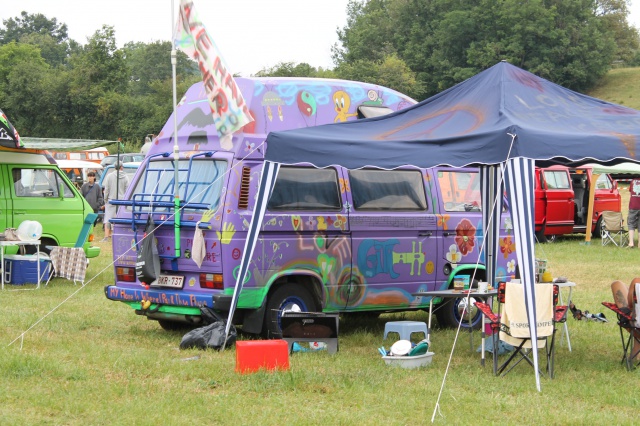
x=20, y=270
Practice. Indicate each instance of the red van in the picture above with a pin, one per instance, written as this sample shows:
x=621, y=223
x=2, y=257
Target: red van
x=562, y=201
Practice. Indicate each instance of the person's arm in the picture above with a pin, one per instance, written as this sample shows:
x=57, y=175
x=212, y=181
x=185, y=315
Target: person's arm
x=100, y=198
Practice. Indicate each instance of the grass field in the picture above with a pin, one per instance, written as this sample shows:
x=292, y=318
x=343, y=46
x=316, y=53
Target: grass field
x=86, y=360
x=620, y=86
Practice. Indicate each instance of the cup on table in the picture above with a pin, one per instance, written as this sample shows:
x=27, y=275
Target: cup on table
x=483, y=286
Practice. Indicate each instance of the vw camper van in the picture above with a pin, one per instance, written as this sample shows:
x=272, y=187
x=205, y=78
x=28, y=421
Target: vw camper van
x=34, y=188
x=332, y=240
x=562, y=201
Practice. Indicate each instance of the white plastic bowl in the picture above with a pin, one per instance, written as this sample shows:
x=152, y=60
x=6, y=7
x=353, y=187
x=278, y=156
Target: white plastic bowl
x=409, y=361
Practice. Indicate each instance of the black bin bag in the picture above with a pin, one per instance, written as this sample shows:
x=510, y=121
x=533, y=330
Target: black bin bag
x=209, y=337
x=148, y=261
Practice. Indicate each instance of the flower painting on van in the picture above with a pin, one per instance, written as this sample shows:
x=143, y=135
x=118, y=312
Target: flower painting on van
x=465, y=236
x=506, y=246
x=453, y=255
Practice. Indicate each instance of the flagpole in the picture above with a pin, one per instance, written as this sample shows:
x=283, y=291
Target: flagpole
x=176, y=152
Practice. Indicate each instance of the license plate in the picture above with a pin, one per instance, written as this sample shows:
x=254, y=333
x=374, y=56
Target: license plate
x=173, y=281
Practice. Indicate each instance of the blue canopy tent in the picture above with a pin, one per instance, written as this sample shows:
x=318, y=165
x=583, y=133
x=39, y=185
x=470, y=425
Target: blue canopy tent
x=502, y=120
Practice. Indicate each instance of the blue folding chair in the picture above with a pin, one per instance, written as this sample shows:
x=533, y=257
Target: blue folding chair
x=86, y=229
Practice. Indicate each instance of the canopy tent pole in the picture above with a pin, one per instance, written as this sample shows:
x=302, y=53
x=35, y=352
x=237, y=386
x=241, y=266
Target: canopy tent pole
x=589, y=219
x=265, y=186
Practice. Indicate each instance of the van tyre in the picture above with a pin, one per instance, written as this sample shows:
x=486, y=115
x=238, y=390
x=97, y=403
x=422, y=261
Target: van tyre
x=597, y=233
x=289, y=297
x=449, y=314
x=540, y=236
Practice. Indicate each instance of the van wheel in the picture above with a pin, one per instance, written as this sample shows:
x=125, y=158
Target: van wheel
x=597, y=233
x=449, y=313
x=289, y=297
x=45, y=247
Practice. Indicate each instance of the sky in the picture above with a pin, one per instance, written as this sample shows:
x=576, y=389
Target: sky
x=250, y=34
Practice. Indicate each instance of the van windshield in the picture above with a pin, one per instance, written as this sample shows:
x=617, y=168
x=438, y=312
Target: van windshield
x=201, y=184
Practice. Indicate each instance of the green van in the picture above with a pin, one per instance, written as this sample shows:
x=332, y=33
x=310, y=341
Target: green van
x=32, y=188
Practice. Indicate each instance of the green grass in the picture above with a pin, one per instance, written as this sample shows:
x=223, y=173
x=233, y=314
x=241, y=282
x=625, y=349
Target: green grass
x=92, y=361
x=620, y=86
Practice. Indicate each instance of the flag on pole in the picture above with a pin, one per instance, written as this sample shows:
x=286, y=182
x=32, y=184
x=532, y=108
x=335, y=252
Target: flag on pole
x=9, y=136
x=230, y=112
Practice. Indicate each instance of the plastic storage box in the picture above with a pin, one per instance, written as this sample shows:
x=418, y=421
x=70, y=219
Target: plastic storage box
x=254, y=355
x=22, y=269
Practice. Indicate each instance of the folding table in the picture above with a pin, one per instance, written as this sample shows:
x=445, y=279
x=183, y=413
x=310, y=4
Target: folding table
x=454, y=294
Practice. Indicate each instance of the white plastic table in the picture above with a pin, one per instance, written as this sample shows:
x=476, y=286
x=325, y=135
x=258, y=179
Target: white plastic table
x=6, y=243
x=570, y=285
x=456, y=294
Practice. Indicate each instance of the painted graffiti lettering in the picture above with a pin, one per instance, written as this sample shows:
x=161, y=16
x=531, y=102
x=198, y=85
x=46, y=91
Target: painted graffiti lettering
x=415, y=258
x=380, y=261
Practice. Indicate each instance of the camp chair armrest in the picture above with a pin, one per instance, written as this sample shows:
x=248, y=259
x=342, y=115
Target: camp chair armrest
x=626, y=313
x=494, y=319
x=560, y=314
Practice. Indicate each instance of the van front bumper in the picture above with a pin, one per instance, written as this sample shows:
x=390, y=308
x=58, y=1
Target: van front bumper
x=92, y=252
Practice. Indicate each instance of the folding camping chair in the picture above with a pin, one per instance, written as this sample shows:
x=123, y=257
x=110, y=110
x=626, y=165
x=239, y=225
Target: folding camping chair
x=71, y=262
x=511, y=307
x=628, y=314
x=612, y=229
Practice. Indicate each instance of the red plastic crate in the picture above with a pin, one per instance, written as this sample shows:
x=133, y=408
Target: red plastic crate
x=253, y=355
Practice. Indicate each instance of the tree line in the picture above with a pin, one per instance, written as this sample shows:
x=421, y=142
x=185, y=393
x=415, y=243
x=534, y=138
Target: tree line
x=52, y=86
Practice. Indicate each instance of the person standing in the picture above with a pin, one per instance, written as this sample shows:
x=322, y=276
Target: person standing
x=92, y=192
x=115, y=185
x=633, y=218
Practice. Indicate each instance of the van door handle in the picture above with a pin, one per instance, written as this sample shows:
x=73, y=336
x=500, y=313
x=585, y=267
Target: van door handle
x=19, y=212
x=425, y=233
x=448, y=233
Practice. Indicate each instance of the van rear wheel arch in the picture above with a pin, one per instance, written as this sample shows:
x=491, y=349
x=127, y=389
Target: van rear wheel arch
x=291, y=293
x=46, y=245
x=449, y=312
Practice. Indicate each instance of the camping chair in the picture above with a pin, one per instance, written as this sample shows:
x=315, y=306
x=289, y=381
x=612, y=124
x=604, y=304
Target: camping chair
x=71, y=262
x=495, y=321
x=612, y=229
x=629, y=320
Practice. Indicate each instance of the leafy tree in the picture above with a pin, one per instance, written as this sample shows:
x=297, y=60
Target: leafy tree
x=21, y=75
x=35, y=23
x=148, y=63
x=292, y=69
x=613, y=14
x=49, y=35
x=571, y=42
x=389, y=71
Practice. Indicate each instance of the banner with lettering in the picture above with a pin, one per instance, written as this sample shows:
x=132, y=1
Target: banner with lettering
x=230, y=112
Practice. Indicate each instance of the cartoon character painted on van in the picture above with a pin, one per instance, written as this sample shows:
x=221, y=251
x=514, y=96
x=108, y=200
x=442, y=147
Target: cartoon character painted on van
x=332, y=240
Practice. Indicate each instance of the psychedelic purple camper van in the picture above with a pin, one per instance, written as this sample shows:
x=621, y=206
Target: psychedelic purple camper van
x=332, y=240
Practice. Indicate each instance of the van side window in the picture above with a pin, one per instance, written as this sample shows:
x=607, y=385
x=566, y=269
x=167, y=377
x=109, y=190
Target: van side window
x=305, y=188
x=39, y=183
x=460, y=191
x=399, y=190
x=603, y=182
x=556, y=179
